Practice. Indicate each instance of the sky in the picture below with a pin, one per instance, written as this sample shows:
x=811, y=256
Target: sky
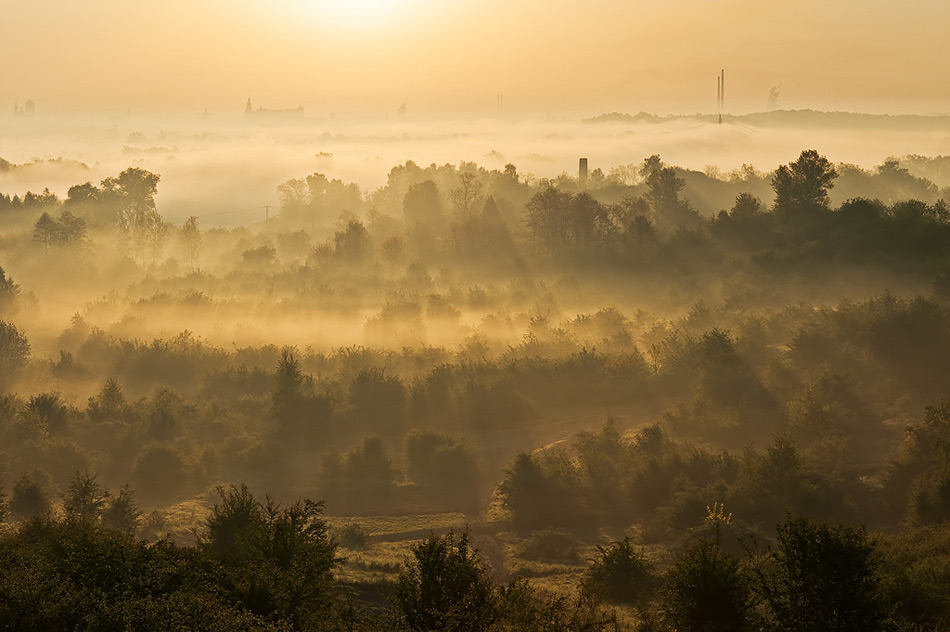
x=447, y=58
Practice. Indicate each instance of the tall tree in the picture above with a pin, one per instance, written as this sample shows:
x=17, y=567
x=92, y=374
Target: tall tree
x=663, y=196
x=14, y=351
x=191, y=239
x=803, y=185
x=467, y=196
x=9, y=293
x=132, y=194
x=45, y=230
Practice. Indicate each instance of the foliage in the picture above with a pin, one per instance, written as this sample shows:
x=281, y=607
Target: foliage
x=824, y=577
x=620, y=574
x=85, y=501
x=551, y=545
x=14, y=351
x=353, y=536
x=445, y=586
x=707, y=589
x=9, y=294
x=276, y=560
x=190, y=236
x=29, y=499
x=803, y=185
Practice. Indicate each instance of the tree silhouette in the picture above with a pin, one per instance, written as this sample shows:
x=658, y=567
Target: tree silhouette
x=85, y=500
x=446, y=586
x=9, y=293
x=825, y=578
x=191, y=240
x=132, y=195
x=14, y=351
x=803, y=185
x=45, y=230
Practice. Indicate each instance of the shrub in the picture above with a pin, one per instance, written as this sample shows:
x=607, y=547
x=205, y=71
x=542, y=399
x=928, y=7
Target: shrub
x=353, y=536
x=707, y=589
x=825, y=578
x=620, y=575
x=551, y=545
x=445, y=586
x=29, y=499
x=277, y=560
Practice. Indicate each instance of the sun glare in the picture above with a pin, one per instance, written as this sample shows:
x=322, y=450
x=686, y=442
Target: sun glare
x=358, y=12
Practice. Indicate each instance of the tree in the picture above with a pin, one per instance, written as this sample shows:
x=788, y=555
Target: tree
x=190, y=236
x=71, y=229
x=45, y=231
x=9, y=293
x=803, y=185
x=278, y=560
x=467, y=196
x=294, y=245
x=663, y=190
x=353, y=244
x=132, y=195
x=619, y=574
x=541, y=491
x=81, y=195
x=443, y=466
x=445, y=586
x=29, y=498
x=67, y=230
x=546, y=215
x=262, y=256
x=706, y=590
x=421, y=204
x=288, y=394
x=109, y=403
x=48, y=411
x=294, y=197
x=85, y=500
x=14, y=351
x=824, y=578
x=122, y=512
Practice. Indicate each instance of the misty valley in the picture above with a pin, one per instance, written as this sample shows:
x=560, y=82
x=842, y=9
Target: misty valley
x=636, y=397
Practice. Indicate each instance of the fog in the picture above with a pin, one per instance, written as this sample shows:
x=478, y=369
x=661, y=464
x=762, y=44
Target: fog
x=715, y=339
x=224, y=168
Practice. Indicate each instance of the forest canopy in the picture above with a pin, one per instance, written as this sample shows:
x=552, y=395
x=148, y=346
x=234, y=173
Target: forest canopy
x=648, y=399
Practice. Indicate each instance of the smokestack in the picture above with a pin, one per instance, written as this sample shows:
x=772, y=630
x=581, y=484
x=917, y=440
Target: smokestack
x=582, y=173
x=718, y=95
x=722, y=93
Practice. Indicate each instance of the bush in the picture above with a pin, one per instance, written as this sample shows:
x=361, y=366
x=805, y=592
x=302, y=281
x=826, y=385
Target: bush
x=620, y=575
x=551, y=545
x=445, y=586
x=29, y=499
x=825, y=578
x=276, y=560
x=707, y=589
x=353, y=536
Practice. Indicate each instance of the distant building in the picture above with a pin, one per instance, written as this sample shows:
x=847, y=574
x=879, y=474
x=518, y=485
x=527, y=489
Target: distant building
x=261, y=113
